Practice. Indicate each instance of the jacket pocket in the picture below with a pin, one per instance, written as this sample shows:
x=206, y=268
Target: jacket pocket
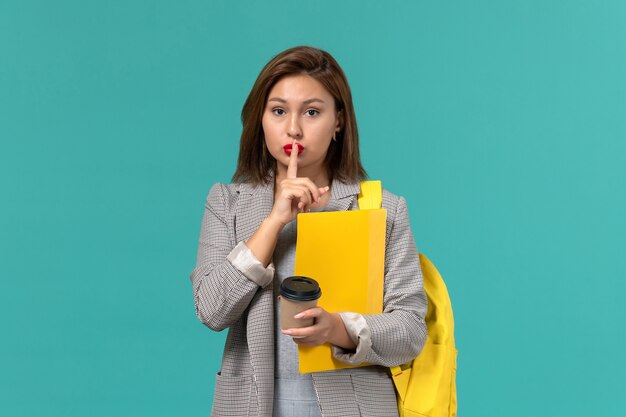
x=375, y=395
x=234, y=396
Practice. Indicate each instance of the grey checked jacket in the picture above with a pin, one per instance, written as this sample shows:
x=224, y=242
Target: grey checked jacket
x=225, y=298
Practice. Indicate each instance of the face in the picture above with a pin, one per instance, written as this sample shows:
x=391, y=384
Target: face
x=300, y=108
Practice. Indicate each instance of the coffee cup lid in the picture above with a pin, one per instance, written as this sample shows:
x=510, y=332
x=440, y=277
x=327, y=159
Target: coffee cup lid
x=299, y=288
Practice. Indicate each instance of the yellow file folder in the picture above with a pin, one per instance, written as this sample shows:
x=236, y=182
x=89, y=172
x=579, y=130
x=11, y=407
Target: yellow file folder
x=345, y=252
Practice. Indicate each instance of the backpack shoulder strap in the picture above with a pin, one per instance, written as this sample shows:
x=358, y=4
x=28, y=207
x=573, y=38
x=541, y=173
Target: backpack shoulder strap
x=371, y=195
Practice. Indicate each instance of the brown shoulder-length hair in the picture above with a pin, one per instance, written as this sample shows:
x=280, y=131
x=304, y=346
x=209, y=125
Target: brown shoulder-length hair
x=255, y=164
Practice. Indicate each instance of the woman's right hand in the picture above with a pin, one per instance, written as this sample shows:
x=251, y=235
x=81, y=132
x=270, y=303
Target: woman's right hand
x=295, y=195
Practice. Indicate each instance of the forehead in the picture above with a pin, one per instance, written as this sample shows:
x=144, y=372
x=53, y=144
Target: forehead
x=299, y=88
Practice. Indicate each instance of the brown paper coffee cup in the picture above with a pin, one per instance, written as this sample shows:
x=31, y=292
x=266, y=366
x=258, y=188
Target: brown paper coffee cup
x=297, y=294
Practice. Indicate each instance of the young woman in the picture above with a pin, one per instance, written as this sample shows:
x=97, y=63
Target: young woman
x=299, y=151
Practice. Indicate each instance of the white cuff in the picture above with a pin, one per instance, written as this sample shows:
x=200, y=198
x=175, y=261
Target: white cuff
x=244, y=260
x=360, y=333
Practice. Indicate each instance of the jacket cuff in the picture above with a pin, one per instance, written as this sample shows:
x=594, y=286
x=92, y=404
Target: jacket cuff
x=361, y=335
x=242, y=258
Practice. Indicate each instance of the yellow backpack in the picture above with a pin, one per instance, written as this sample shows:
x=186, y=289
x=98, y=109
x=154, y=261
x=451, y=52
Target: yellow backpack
x=425, y=386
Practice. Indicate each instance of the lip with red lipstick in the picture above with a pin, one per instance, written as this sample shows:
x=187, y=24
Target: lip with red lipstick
x=288, y=148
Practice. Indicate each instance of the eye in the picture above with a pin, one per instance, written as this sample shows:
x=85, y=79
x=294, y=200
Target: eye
x=278, y=111
x=312, y=112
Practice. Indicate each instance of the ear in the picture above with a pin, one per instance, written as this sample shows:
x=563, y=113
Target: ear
x=340, y=121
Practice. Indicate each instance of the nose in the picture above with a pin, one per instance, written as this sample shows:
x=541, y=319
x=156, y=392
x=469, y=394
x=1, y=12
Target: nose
x=294, y=130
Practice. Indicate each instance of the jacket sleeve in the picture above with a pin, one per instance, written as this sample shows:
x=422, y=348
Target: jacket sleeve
x=398, y=334
x=226, y=275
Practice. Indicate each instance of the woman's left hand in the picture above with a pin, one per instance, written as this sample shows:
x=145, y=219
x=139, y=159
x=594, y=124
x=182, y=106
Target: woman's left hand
x=327, y=328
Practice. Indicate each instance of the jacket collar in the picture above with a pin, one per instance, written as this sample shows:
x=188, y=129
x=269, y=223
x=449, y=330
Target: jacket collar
x=251, y=189
x=342, y=195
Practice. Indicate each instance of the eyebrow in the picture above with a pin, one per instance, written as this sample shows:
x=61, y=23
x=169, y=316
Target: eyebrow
x=305, y=102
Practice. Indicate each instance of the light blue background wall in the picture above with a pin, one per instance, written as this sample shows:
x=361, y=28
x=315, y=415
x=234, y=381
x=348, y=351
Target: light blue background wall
x=502, y=122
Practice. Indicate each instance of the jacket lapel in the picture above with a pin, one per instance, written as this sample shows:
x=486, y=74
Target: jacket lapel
x=343, y=196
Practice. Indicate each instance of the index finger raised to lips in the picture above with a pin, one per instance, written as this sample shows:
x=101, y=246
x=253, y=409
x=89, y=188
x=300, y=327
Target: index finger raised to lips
x=292, y=168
